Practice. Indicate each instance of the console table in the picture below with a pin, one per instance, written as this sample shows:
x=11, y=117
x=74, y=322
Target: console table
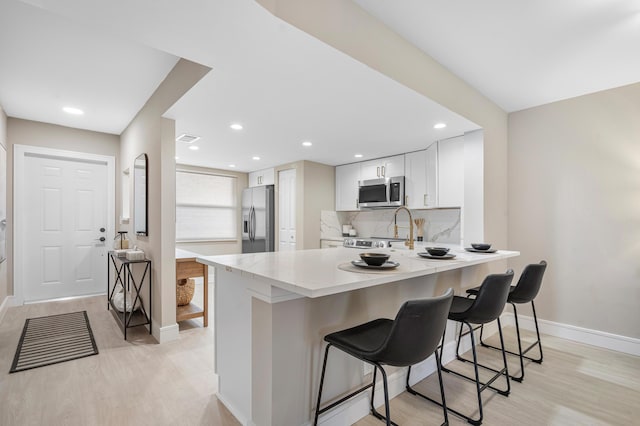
x=187, y=267
x=125, y=276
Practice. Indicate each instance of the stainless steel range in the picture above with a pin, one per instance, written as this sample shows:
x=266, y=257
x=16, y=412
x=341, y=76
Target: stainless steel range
x=366, y=243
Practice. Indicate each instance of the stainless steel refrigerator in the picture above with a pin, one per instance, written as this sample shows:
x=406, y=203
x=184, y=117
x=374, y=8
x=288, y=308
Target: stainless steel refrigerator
x=258, y=219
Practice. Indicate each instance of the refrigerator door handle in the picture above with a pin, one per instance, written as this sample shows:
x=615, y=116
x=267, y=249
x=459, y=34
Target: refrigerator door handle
x=253, y=223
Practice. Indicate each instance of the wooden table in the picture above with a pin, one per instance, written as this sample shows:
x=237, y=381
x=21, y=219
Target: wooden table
x=187, y=267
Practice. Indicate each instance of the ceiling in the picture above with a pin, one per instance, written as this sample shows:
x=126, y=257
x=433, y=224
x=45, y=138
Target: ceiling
x=286, y=87
x=48, y=62
x=521, y=54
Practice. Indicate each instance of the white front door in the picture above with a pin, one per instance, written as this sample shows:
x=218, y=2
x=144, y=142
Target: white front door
x=287, y=209
x=65, y=227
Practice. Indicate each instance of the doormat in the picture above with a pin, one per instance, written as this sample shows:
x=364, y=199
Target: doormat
x=53, y=339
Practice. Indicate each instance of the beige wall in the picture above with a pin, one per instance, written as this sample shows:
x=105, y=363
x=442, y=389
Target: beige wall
x=574, y=200
x=4, y=282
x=210, y=248
x=149, y=133
x=34, y=133
x=345, y=26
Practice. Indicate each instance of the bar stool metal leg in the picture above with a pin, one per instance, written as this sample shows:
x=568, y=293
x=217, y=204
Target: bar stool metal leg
x=521, y=353
x=374, y=412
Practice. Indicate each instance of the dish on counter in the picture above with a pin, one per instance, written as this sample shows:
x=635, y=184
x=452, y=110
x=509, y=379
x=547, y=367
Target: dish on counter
x=430, y=256
x=437, y=251
x=387, y=265
x=481, y=246
x=471, y=249
x=374, y=259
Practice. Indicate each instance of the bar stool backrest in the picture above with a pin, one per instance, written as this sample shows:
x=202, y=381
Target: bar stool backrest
x=529, y=283
x=416, y=331
x=491, y=298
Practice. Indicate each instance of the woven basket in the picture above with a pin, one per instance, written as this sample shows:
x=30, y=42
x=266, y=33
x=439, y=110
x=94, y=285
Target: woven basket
x=184, y=291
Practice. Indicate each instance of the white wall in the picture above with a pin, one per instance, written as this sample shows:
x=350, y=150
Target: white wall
x=4, y=282
x=574, y=200
x=473, y=211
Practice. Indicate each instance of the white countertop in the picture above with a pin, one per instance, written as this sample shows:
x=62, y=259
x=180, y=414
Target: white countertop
x=316, y=273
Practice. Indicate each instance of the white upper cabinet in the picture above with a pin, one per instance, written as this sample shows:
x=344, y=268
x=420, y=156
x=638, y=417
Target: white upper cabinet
x=451, y=172
x=347, y=178
x=421, y=178
x=415, y=179
x=262, y=177
x=430, y=198
x=382, y=167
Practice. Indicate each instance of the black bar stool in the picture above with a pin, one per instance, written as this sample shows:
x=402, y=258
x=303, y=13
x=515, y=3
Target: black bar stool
x=524, y=292
x=486, y=307
x=409, y=339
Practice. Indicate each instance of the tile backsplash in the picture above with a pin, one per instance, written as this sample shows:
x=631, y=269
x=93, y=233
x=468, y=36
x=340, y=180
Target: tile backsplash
x=441, y=225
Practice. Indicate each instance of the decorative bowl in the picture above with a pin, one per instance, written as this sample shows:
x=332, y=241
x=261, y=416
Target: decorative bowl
x=374, y=259
x=437, y=251
x=481, y=246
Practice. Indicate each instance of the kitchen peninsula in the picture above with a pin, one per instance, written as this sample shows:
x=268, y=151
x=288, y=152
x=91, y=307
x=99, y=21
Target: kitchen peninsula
x=272, y=311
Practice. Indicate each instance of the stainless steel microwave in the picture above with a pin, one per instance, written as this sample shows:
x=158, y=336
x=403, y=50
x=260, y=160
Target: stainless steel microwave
x=380, y=193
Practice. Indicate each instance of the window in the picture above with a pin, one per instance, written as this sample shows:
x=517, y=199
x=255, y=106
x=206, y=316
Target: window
x=206, y=207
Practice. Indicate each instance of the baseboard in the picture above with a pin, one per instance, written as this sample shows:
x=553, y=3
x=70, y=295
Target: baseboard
x=358, y=407
x=601, y=339
x=7, y=303
x=165, y=334
x=236, y=413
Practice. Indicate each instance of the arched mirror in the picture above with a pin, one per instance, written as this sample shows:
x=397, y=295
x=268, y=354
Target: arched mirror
x=140, y=195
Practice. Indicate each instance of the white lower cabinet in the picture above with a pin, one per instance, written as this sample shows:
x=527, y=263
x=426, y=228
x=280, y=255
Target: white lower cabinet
x=331, y=244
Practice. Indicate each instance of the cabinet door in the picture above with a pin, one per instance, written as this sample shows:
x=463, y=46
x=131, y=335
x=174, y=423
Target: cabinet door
x=415, y=182
x=253, y=179
x=262, y=177
x=371, y=169
x=347, y=178
x=268, y=177
x=393, y=166
x=451, y=172
x=430, y=198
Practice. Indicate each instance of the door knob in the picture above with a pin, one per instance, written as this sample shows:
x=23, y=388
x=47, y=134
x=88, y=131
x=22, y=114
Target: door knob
x=102, y=229
x=101, y=239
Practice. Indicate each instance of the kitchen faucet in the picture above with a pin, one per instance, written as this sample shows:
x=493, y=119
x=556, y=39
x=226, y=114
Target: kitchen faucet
x=395, y=227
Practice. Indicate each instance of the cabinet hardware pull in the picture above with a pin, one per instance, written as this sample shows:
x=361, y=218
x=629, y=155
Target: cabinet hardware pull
x=382, y=168
x=378, y=171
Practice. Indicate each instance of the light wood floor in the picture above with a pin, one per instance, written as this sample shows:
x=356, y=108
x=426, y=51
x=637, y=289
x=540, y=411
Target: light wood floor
x=575, y=385
x=133, y=382
x=139, y=382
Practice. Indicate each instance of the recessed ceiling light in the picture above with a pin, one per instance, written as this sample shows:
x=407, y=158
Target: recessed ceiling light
x=358, y=155
x=72, y=110
x=232, y=165
x=236, y=126
x=440, y=126
x=194, y=148
x=256, y=157
x=306, y=143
